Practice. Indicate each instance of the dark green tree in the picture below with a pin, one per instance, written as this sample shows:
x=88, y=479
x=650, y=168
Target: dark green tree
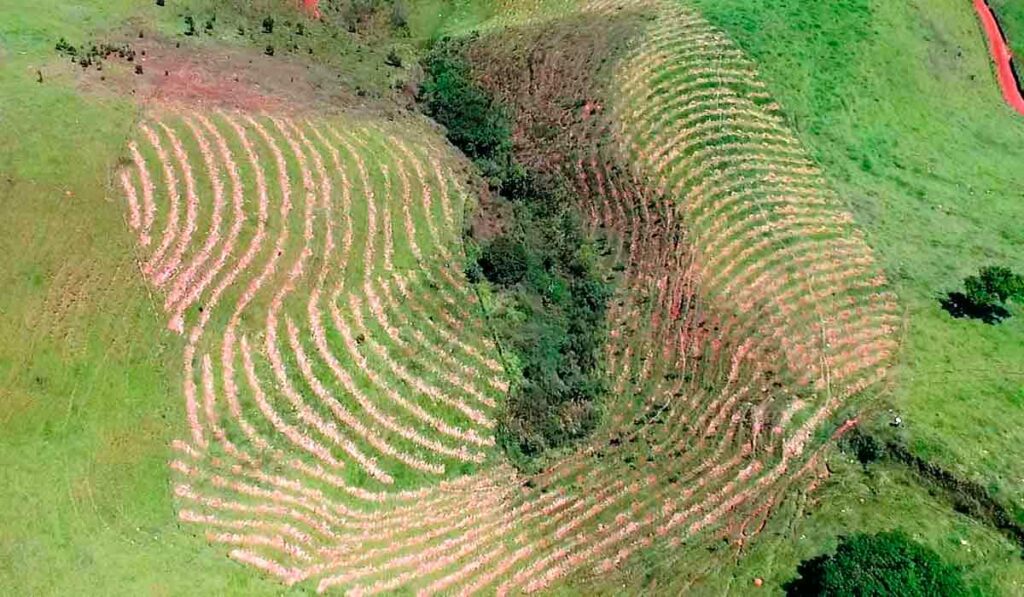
x=879, y=565
x=993, y=285
x=504, y=261
x=986, y=295
x=476, y=123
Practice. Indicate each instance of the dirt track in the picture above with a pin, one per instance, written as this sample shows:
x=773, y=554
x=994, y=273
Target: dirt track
x=1002, y=56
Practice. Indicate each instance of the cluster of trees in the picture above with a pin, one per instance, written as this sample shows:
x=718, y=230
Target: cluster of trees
x=987, y=295
x=476, y=123
x=551, y=291
x=879, y=565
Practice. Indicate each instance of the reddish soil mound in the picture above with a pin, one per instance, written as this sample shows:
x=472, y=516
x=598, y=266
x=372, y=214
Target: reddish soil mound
x=1001, y=55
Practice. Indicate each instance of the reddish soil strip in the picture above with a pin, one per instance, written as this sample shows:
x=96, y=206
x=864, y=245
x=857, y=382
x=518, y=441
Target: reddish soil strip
x=1001, y=55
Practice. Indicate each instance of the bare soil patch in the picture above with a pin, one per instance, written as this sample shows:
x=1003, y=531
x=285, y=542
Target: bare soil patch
x=216, y=77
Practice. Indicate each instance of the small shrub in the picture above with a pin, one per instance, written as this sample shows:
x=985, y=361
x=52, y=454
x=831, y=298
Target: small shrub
x=269, y=50
x=863, y=446
x=393, y=59
x=880, y=565
x=63, y=47
x=268, y=25
x=190, y=25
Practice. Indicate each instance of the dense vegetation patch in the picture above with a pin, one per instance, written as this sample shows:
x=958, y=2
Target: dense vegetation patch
x=884, y=564
x=551, y=297
x=476, y=123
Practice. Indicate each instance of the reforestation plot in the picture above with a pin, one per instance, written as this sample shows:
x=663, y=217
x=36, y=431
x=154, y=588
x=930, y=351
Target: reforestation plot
x=495, y=297
x=341, y=384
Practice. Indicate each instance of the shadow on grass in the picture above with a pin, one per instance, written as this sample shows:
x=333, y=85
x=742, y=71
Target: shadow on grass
x=960, y=306
x=808, y=583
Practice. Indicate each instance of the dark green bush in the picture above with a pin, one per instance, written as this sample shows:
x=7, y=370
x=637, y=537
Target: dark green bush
x=986, y=294
x=994, y=285
x=476, y=123
x=864, y=446
x=879, y=565
x=504, y=261
x=393, y=59
x=63, y=47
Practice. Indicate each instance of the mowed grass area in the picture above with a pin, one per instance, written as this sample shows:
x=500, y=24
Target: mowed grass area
x=1010, y=14
x=900, y=106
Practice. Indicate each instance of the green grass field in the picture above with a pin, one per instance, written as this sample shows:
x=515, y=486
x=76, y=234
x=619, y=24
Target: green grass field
x=1011, y=17
x=897, y=103
x=90, y=396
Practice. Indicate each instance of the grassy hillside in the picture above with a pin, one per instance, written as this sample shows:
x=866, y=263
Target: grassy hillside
x=896, y=102
x=90, y=397
x=1011, y=17
x=899, y=104
x=855, y=501
x=87, y=404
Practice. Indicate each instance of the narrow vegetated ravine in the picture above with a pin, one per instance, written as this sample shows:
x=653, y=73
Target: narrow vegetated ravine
x=526, y=239
x=1006, y=64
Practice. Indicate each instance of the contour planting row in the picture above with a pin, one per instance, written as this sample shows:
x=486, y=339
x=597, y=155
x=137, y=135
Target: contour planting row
x=300, y=484
x=310, y=277
x=774, y=243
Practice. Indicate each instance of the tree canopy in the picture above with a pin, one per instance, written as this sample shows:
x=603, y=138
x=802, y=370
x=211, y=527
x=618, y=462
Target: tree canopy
x=884, y=564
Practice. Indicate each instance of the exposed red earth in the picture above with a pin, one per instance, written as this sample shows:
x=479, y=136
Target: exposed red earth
x=1001, y=55
x=312, y=7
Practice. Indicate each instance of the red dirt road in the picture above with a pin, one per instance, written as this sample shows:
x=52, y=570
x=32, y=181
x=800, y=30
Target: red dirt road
x=1001, y=55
